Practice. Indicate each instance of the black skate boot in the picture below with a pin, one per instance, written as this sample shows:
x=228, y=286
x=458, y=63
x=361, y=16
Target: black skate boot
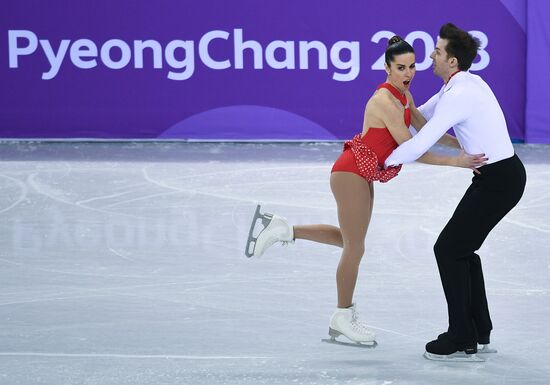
x=483, y=340
x=445, y=349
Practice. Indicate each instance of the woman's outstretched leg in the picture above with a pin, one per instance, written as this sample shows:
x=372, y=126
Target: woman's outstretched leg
x=279, y=230
x=320, y=233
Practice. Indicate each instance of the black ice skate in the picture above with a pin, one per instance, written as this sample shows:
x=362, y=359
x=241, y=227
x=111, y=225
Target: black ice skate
x=444, y=349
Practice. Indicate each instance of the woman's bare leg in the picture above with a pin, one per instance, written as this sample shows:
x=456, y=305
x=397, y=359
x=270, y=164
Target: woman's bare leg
x=321, y=233
x=354, y=198
x=327, y=234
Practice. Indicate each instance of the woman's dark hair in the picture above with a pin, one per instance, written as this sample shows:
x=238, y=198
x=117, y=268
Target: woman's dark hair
x=397, y=46
x=460, y=44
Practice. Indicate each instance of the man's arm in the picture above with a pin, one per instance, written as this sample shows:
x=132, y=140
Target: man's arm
x=451, y=109
x=461, y=160
x=418, y=121
x=426, y=110
x=420, y=115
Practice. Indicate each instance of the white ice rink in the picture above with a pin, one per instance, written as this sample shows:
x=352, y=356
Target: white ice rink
x=124, y=264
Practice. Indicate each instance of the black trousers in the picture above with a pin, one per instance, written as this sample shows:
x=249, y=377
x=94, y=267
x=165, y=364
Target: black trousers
x=488, y=199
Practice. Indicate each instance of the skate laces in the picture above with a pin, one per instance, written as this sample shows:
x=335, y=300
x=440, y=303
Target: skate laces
x=356, y=324
x=280, y=228
x=271, y=242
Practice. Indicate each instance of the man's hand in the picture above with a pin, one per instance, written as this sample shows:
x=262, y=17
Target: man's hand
x=471, y=161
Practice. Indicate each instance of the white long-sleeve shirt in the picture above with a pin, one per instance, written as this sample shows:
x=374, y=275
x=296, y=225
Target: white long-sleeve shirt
x=467, y=104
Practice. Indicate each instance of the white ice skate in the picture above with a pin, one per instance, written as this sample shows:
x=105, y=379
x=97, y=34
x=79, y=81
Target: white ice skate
x=275, y=229
x=346, y=322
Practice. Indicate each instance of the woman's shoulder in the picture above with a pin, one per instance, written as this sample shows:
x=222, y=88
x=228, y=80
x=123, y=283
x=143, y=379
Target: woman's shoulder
x=382, y=99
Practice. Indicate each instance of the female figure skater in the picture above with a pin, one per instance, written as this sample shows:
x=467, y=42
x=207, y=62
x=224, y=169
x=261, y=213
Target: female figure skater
x=386, y=121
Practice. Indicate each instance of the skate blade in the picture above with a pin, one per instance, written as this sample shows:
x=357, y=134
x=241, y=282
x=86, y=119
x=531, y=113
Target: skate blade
x=251, y=242
x=485, y=349
x=335, y=333
x=368, y=345
x=455, y=357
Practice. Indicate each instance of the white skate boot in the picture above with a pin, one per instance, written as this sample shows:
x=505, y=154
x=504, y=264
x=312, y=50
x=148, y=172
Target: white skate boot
x=275, y=229
x=346, y=322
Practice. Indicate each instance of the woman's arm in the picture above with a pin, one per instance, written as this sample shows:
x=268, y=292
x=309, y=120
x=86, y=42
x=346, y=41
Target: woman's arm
x=449, y=141
x=417, y=119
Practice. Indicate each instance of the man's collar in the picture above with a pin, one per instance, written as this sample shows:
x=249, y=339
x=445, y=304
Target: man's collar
x=455, y=77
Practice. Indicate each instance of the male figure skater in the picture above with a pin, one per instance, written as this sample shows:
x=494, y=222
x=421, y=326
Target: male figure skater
x=466, y=103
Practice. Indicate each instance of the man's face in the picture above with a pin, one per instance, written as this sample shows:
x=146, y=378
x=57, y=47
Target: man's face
x=441, y=65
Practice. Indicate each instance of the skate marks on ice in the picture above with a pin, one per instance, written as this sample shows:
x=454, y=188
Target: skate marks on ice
x=22, y=195
x=129, y=356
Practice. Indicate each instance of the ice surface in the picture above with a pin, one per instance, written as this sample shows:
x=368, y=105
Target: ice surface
x=123, y=263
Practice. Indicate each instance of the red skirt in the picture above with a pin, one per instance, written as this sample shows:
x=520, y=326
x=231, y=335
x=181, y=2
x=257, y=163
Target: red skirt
x=359, y=159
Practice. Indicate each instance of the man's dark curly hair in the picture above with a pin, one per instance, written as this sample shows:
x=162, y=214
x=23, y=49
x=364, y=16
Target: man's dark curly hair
x=460, y=44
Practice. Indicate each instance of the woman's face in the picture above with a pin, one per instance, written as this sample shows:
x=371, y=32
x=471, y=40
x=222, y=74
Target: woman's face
x=402, y=70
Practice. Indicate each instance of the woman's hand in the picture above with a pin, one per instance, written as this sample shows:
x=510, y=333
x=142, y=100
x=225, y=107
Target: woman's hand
x=471, y=161
x=410, y=99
